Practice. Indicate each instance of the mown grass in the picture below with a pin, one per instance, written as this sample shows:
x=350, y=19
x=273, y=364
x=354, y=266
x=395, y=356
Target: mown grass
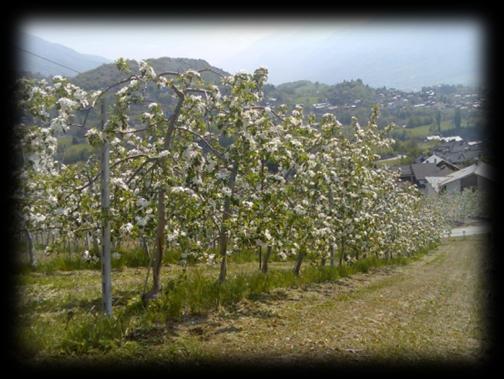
x=68, y=331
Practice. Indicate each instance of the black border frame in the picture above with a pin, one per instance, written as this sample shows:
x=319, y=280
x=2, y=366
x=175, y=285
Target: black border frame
x=488, y=16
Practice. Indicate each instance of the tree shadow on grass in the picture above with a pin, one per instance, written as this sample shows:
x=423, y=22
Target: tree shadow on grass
x=120, y=298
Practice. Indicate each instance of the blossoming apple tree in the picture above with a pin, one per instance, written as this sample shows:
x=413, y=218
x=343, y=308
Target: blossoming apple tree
x=218, y=171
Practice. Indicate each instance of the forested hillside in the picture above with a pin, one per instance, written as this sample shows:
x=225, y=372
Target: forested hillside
x=73, y=147
x=406, y=109
x=107, y=74
x=432, y=110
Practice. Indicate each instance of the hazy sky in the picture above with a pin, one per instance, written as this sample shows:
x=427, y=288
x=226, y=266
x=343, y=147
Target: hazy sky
x=140, y=40
x=214, y=41
x=243, y=44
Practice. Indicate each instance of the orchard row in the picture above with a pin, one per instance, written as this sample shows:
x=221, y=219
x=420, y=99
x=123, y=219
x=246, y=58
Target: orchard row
x=216, y=173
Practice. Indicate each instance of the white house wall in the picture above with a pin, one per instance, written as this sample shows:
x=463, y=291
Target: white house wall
x=429, y=189
x=453, y=187
x=433, y=159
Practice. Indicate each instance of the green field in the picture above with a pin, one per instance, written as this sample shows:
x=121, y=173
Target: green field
x=425, y=130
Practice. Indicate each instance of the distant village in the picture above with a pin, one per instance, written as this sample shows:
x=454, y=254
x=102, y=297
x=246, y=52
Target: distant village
x=453, y=166
x=435, y=97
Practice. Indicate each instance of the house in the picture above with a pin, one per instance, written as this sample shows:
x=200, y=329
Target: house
x=405, y=173
x=452, y=138
x=433, y=159
x=460, y=152
x=477, y=176
x=432, y=185
x=422, y=170
x=445, y=163
x=444, y=139
x=441, y=162
x=417, y=173
x=463, y=157
x=320, y=105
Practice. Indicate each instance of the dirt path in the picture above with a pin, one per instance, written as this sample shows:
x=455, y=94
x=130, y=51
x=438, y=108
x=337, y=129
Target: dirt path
x=469, y=230
x=429, y=309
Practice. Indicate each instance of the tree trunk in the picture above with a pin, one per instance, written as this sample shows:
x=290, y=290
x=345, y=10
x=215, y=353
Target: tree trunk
x=160, y=235
x=223, y=235
x=342, y=254
x=299, y=261
x=223, y=254
x=323, y=261
x=332, y=255
x=96, y=246
x=260, y=256
x=106, y=261
x=144, y=246
x=29, y=239
x=158, y=254
x=331, y=206
x=264, y=267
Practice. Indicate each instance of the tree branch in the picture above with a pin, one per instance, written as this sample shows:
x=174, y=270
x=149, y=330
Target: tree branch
x=211, y=70
x=112, y=166
x=259, y=107
x=132, y=131
x=137, y=171
x=202, y=139
x=116, y=84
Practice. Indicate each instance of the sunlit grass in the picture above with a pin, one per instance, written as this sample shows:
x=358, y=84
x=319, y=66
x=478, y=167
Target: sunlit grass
x=66, y=325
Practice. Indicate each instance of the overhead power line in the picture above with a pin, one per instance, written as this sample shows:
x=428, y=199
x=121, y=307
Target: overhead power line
x=48, y=60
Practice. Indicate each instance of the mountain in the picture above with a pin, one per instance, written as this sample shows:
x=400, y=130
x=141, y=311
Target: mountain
x=108, y=74
x=406, y=58
x=54, y=52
